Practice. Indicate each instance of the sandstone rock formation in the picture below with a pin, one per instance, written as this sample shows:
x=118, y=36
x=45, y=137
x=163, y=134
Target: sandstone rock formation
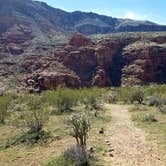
x=109, y=62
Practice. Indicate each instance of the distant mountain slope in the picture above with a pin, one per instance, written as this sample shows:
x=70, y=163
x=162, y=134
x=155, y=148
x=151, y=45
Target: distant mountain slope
x=46, y=20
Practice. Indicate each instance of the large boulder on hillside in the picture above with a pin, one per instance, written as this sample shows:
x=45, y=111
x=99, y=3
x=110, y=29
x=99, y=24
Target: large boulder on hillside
x=78, y=40
x=51, y=80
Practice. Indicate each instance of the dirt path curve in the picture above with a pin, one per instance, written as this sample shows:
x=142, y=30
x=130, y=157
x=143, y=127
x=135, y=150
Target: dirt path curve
x=129, y=143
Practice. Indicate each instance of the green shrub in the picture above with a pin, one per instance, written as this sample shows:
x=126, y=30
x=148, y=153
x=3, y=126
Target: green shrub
x=62, y=99
x=123, y=93
x=149, y=118
x=155, y=101
x=137, y=96
x=66, y=99
x=92, y=97
x=162, y=109
x=80, y=127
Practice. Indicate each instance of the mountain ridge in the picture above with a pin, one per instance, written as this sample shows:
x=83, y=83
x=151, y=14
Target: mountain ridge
x=84, y=22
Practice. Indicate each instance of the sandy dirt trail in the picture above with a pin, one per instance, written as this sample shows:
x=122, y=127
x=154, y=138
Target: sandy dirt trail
x=130, y=148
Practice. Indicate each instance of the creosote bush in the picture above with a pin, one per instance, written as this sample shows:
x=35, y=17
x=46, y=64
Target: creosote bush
x=80, y=125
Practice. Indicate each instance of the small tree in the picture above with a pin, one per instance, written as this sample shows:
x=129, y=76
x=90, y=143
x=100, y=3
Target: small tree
x=80, y=127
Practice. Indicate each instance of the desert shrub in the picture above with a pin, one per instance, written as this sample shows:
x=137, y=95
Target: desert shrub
x=4, y=105
x=137, y=96
x=80, y=125
x=154, y=101
x=123, y=93
x=112, y=97
x=78, y=154
x=62, y=99
x=29, y=137
x=92, y=98
x=162, y=109
x=33, y=118
x=149, y=118
x=66, y=99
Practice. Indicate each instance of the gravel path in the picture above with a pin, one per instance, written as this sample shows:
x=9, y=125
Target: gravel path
x=127, y=143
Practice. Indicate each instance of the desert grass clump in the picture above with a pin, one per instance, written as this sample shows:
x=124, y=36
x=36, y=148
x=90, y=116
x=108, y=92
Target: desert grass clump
x=138, y=108
x=80, y=125
x=144, y=118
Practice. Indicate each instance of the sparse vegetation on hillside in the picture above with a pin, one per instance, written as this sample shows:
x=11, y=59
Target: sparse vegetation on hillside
x=41, y=120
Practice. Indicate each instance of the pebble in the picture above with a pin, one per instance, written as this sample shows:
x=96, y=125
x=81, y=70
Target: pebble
x=111, y=155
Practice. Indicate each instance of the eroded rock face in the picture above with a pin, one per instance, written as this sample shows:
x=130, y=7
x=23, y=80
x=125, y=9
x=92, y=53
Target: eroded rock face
x=145, y=63
x=50, y=80
x=79, y=40
x=87, y=64
x=105, y=63
x=83, y=63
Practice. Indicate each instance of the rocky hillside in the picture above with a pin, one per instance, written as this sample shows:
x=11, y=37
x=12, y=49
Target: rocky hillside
x=101, y=60
x=28, y=26
x=35, y=50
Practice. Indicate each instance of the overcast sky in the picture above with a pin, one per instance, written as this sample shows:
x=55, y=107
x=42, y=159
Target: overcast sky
x=153, y=10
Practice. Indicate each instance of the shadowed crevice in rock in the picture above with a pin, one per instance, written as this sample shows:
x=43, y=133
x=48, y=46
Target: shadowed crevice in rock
x=115, y=69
